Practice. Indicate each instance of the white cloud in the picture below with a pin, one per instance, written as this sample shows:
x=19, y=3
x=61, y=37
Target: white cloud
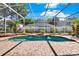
x=62, y=15
x=52, y=5
x=53, y=13
x=5, y=19
x=8, y=18
x=62, y=19
x=49, y=13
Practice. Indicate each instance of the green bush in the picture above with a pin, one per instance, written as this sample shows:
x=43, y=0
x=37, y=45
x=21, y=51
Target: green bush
x=42, y=31
x=27, y=30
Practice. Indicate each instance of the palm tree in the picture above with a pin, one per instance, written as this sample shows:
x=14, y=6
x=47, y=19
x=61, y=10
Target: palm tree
x=13, y=25
x=75, y=25
x=22, y=9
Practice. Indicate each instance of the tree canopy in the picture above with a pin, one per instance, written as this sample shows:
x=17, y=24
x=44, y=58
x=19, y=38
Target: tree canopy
x=27, y=21
x=75, y=21
x=22, y=9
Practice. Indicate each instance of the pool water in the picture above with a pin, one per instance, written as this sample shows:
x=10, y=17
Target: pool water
x=40, y=38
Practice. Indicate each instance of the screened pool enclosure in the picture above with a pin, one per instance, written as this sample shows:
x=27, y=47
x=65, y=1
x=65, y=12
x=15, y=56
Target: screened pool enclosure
x=36, y=18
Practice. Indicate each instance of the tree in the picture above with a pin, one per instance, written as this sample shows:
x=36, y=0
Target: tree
x=53, y=21
x=22, y=9
x=27, y=21
x=75, y=25
x=13, y=25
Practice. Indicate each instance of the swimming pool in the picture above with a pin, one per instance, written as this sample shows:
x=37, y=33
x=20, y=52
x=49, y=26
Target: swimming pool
x=39, y=38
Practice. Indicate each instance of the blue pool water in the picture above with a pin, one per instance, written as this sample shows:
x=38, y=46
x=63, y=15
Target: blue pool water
x=40, y=38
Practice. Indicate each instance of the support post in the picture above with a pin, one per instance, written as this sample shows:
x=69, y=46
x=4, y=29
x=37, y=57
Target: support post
x=4, y=27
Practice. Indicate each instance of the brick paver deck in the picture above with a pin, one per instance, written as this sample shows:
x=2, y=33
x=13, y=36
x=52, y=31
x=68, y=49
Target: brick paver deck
x=32, y=48
x=66, y=48
x=38, y=48
x=5, y=46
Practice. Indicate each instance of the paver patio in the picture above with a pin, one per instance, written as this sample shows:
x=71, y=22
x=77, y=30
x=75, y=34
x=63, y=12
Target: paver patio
x=6, y=45
x=66, y=48
x=39, y=48
x=33, y=48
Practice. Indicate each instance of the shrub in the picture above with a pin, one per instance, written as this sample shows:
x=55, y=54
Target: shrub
x=42, y=31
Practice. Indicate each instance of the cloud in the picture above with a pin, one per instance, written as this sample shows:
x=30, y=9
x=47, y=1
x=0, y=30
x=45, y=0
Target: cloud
x=62, y=15
x=53, y=13
x=8, y=18
x=52, y=5
x=49, y=13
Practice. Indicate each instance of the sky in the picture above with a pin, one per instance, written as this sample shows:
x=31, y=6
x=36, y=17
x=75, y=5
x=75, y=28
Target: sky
x=37, y=10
